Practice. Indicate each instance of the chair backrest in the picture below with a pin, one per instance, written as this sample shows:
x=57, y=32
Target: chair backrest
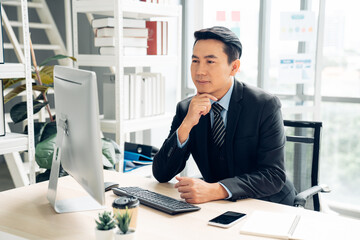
x=302, y=152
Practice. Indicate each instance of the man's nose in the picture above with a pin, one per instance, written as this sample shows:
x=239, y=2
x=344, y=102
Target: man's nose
x=201, y=69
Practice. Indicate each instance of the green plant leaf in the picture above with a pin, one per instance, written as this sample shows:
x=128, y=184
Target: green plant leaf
x=13, y=93
x=8, y=82
x=48, y=130
x=123, y=220
x=48, y=70
x=38, y=129
x=42, y=131
x=44, y=149
x=18, y=112
x=44, y=152
x=56, y=57
x=40, y=97
x=106, y=221
x=19, y=89
x=47, y=76
x=110, y=152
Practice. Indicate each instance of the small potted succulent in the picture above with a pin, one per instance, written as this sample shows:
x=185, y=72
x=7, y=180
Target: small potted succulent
x=105, y=226
x=123, y=221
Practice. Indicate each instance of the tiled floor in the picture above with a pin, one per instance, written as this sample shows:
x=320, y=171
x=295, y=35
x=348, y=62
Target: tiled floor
x=6, y=182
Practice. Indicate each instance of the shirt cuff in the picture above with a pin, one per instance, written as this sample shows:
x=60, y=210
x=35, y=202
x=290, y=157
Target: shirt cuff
x=228, y=191
x=178, y=141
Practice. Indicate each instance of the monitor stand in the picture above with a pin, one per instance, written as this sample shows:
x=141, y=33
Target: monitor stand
x=85, y=203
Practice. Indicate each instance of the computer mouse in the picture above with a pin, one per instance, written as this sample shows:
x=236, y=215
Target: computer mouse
x=109, y=185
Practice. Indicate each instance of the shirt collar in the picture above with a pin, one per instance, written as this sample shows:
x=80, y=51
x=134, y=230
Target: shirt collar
x=225, y=100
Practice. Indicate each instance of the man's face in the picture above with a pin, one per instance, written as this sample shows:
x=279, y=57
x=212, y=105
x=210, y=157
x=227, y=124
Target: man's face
x=210, y=70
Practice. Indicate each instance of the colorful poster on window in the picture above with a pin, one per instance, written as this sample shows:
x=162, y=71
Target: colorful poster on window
x=1, y=40
x=296, y=68
x=298, y=26
x=229, y=19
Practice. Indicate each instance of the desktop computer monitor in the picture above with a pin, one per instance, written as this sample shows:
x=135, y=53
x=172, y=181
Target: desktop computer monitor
x=78, y=142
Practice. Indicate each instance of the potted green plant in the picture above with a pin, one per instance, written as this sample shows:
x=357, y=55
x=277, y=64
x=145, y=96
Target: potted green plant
x=105, y=226
x=43, y=81
x=45, y=132
x=123, y=221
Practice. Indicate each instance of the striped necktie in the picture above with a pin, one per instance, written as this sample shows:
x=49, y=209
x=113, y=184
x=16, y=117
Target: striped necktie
x=218, y=128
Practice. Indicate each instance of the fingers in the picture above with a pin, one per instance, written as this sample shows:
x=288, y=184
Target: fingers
x=203, y=109
x=187, y=196
x=183, y=181
x=207, y=95
x=186, y=193
x=178, y=183
x=179, y=178
x=200, y=104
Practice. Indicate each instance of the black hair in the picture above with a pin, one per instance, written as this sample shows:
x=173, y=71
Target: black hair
x=232, y=44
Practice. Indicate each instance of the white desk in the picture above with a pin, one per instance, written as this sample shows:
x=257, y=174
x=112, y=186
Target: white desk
x=26, y=212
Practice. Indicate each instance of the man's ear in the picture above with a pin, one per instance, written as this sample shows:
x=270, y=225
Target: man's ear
x=235, y=65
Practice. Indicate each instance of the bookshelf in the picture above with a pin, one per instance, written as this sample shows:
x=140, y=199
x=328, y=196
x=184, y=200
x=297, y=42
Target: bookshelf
x=12, y=143
x=120, y=9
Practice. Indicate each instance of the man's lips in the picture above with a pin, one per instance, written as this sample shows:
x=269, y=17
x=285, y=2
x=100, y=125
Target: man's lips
x=202, y=81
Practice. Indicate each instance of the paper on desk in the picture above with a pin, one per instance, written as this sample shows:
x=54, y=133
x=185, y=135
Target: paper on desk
x=270, y=224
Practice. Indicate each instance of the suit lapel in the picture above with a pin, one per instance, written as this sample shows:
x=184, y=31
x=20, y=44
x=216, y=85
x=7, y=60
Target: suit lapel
x=233, y=116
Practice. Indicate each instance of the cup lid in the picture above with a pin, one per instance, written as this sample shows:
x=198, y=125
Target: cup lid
x=122, y=202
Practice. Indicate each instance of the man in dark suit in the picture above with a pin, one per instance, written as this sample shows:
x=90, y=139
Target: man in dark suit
x=234, y=131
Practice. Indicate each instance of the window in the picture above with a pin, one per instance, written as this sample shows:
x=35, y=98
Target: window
x=339, y=108
x=293, y=92
x=236, y=15
x=340, y=159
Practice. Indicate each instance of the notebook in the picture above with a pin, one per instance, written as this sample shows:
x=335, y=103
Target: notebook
x=270, y=224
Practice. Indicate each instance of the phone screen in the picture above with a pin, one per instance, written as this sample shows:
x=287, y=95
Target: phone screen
x=227, y=217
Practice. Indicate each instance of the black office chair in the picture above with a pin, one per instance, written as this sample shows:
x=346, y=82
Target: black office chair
x=302, y=150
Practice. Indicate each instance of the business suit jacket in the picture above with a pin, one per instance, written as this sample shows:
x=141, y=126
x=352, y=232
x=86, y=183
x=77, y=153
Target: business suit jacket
x=254, y=146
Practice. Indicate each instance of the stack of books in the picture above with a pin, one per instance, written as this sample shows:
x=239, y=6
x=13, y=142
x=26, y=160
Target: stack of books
x=158, y=37
x=144, y=95
x=135, y=35
x=140, y=37
x=173, y=2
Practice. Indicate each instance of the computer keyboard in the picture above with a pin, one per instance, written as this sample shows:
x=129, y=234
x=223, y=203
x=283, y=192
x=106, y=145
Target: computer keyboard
x=156, y=200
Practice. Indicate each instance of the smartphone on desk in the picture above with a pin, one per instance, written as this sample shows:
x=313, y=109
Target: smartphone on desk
x=227, y=219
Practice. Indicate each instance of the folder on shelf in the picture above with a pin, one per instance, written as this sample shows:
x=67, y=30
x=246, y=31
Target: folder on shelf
x=137, y=157
x=133, y=161
x=146, y=150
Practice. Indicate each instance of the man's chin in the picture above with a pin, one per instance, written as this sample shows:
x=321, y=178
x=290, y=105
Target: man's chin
x=202, y=90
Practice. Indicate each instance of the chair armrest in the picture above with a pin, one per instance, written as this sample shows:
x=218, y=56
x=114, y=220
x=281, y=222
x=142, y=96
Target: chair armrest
x=301, y=198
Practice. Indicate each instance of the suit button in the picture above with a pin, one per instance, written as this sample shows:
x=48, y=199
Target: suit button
x=170, y=151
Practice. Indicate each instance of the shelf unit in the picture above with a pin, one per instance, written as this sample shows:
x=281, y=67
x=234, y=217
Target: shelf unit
x=12, y=143
x=130, y=9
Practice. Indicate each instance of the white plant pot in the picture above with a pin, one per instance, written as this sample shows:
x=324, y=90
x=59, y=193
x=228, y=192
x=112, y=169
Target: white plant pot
x=130, y=235
x=104, y=234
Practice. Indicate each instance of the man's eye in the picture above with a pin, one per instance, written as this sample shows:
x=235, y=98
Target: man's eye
x=195, y=61
x=209, y=61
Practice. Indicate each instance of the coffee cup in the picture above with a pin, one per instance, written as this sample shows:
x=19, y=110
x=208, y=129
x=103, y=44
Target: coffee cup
x=131, y=204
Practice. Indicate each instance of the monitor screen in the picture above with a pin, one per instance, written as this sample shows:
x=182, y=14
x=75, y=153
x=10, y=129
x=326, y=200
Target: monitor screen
x=78, y=130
